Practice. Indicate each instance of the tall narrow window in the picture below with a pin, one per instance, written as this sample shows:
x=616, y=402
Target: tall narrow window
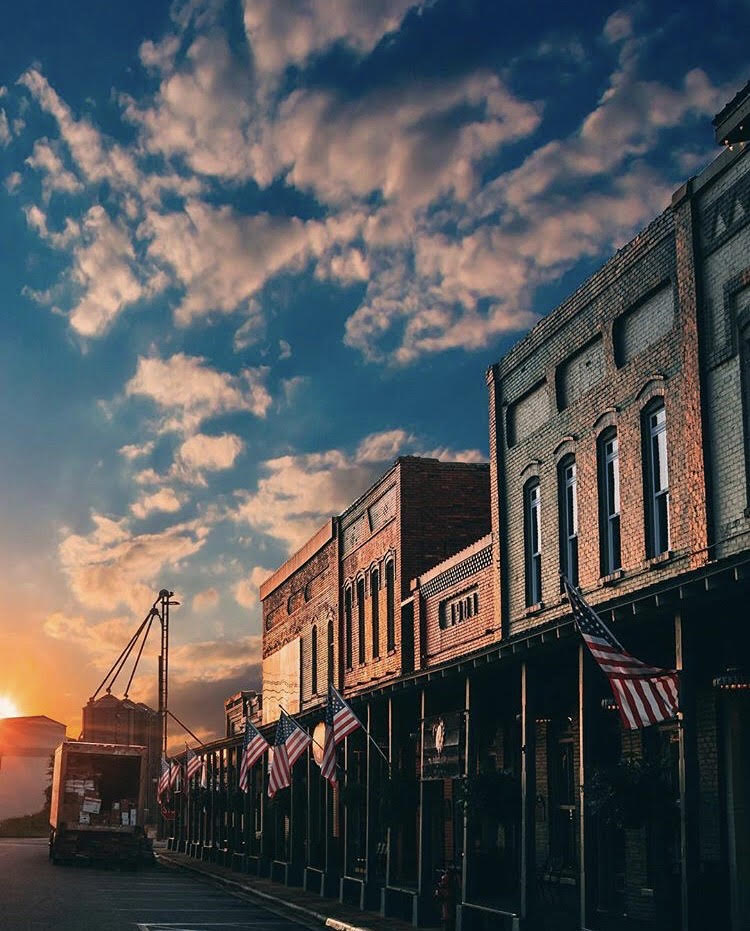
x=361, y=619
x=656, y=491
x=330, y=651
x=533, y=541
x=314, y=660
x=390, y=605
x=609, y=502
x=375, y=612
x=568, y=501
x=348, y=624
x=301, y=669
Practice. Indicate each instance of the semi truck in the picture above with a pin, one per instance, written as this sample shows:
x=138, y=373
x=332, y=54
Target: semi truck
x=97, y=810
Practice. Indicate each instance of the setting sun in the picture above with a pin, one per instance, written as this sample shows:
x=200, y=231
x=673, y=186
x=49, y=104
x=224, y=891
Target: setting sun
x=8, y=708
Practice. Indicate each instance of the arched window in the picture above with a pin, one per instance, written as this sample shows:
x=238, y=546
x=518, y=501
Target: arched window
x=375, y=611
x=608, y=456
x=567, y=496
x=533, y=541
x=331, y=654
x=656, y=478
x=361, y=619
x=390, y=603
x=314, y=660
x=348, y=625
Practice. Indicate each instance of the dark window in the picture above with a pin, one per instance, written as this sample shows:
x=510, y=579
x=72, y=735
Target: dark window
x=390, y=605
x=568, y=503
x=374, y=596
x=609, y=502
x=314, y=660
x=656, y=474
x=301, y=669
x=330, y=650
x=348, y=624
x=533, y=541
x=361, y=618
x=454, y=610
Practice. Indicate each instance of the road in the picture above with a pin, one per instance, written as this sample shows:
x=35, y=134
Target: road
x=36, y=896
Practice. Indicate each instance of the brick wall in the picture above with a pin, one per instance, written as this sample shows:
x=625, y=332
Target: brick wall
x=303, y=602
x=722, y=206
x=570, y=355
x=440, y=634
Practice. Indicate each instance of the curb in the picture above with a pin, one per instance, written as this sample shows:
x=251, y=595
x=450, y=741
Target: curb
x=324, y=920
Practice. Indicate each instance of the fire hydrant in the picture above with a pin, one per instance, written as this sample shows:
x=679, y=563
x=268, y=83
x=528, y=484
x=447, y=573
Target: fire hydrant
x=445, y=893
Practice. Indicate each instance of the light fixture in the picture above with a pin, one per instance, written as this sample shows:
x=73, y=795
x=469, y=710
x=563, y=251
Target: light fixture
x=733, y=680
x=609, y=704
x=542, y=719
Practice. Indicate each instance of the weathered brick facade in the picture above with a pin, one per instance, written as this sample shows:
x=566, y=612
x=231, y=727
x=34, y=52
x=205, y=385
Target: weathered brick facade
x=454, y=605
x=625, y=338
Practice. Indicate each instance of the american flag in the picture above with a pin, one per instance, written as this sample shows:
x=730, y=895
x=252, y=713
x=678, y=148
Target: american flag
x=192, y=763
x=288, y=745
x=253, y=747
x=163, y=783
x=644, y=694
x=340, y=722
x=174, y=772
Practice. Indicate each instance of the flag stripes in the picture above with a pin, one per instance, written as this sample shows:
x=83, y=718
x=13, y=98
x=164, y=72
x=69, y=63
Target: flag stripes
x=254, y=745
x=290, y=743
x=340, y=722
x=644, y=694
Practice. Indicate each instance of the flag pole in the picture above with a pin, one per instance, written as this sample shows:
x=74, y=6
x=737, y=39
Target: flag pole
x=369, y=735
x=313, y=740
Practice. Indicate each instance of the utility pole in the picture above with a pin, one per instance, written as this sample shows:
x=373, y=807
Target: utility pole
x=165, y=603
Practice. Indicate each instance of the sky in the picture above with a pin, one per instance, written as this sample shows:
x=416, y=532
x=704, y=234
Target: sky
x=253, y=250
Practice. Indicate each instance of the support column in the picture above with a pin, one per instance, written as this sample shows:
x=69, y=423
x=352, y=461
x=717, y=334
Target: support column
x=688, y=776
x=465, y=826
x=424, y=885
x=581, y=783
x=528, y=793
x=370, y=809
x=388, y=830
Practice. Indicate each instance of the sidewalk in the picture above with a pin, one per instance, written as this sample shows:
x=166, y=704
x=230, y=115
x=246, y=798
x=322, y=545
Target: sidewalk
x=305, y=906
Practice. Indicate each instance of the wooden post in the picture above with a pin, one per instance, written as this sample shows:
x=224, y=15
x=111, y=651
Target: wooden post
x=582, y=782
x=687, y=776
x=368, y=800
x=422, y=882
x=389, y=834
x=528, y=764
x=467, y=749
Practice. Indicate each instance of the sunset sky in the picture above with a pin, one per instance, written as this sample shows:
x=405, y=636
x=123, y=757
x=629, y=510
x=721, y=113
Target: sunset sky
x=251, y=251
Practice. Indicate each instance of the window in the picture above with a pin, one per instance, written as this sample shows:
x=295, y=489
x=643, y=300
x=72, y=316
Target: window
x=314, y=660
x=459, y=608
x=656, y=486
x=361, y=619
x=533, y=541
x=375, y=611
x=609, y=502
x=568, y=503
x=330, y=649
x=390, y=606
x=348, y=624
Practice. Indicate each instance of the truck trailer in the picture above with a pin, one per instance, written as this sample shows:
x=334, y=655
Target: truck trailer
x=97, y=810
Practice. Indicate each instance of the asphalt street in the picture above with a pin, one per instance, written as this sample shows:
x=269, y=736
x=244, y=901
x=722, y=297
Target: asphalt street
x=36, y=895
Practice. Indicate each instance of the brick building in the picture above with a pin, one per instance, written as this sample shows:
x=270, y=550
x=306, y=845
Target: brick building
x=619, y=437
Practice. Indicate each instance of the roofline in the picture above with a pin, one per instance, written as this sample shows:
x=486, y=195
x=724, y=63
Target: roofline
x=453, y=560
x=304, y=554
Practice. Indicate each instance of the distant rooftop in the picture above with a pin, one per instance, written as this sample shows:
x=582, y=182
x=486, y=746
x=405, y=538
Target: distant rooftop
x=732, y=122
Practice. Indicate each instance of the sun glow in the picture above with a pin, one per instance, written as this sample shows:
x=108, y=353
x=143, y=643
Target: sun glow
x=8, y=708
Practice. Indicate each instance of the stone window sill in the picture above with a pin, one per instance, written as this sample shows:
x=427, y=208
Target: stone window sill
x=656, y=561
x=534, y=609
x=613, y=578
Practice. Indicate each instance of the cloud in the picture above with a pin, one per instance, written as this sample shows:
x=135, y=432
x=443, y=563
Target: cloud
x=221, y=258
x=284, y=32
x=245, y=590
x=136, y=450
x=411, y=143
x=202, y=453
x=211, y=660
x=205, y=600
x=189, y=391
x=165, y=500
x=296, y=493
x=101, y=639
x=5, y=133
x=13, y=182
x=46, y=159
x=111, y=566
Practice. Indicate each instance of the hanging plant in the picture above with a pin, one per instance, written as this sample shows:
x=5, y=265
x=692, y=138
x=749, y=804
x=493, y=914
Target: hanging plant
x=495, y=795
x=631, y=793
